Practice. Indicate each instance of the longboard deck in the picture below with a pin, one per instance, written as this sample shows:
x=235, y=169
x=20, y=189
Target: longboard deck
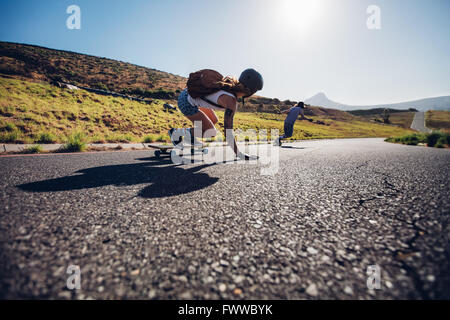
x=166, y=148
x=161, y=146
x=170, y=147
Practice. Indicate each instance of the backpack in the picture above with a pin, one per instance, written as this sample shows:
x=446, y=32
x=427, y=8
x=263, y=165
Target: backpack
x=204, y=82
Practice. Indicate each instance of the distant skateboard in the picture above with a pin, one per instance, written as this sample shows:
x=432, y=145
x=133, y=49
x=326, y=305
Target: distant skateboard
x=165, y=149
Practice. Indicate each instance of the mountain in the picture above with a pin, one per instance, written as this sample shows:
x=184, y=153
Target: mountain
x=321, y=99
x=437, y=103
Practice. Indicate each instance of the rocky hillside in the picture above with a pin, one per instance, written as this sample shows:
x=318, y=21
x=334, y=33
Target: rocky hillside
x=38, y=63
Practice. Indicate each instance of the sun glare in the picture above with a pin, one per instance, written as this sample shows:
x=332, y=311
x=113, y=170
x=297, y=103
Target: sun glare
x=299, y=15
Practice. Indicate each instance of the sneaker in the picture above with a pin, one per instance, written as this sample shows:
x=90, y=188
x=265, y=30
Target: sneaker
x=277, y=143
x=177, y=143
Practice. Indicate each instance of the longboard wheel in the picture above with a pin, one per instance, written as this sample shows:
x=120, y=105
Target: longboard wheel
x=205, y=151
x=174, y=153
x=157, y=153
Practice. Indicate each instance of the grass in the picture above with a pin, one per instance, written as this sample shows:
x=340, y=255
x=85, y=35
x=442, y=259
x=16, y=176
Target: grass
x=42, y=108
x=9, y=137
x=438, y=120
x=333, y=128
x=10, y=127
x=156, y=138
x=410, y=139
x=9, y=132
x=75, y=143
x=120, y=137
x=163, y=138
x=438, y=139
x=149, y=138
x=402, y=119
x=435, y=139
x=33, y=149
x=40, y=113
x=46, y=138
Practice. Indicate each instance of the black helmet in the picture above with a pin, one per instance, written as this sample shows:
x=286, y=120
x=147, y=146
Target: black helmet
x=252, y=79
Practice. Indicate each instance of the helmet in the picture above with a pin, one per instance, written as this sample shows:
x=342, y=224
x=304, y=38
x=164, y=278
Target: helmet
x=252, y=79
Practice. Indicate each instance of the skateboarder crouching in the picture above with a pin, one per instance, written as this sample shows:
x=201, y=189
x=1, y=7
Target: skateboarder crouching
x=206, y=91
x=292, y=116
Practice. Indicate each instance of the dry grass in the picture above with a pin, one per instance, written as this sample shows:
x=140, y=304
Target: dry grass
x=402, y=119
x=351, y=128
x=438, y=120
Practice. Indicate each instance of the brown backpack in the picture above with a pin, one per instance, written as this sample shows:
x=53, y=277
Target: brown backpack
x=204, y=82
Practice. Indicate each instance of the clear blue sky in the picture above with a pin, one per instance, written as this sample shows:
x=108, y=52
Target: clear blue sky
x=300, y=47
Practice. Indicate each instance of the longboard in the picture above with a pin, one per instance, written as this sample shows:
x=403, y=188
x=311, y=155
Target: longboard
x=165, y=149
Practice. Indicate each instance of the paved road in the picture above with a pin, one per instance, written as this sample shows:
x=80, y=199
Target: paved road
x=419, y=122
x=56, y=146
x=139, y=227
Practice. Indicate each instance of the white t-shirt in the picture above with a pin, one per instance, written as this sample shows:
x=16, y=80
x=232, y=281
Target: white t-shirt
x=199, y=102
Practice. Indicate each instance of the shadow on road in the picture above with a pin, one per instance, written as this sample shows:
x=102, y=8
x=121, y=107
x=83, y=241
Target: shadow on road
x=166, y=178
x=291, y=147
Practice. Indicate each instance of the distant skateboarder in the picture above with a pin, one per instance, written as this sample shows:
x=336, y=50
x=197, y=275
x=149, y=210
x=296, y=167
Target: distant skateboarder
x=292, y=116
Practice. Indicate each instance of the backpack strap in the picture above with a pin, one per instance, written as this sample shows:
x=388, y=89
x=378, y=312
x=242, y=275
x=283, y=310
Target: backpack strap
x=212, y=103
x=215, y=104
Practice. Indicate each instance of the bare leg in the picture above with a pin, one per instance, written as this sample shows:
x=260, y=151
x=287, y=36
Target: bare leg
x=206, y=124
x=203, y=123
x=210, y=114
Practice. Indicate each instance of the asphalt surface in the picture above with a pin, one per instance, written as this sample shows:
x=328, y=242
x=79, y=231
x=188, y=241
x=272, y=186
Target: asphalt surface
x=141, y=227
x=419, y=122
x=56, y=146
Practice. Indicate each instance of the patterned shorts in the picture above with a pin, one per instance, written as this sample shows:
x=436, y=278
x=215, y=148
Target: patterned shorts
x=183, y=104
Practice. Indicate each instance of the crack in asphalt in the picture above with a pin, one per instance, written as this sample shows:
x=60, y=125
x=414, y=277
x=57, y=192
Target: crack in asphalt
x=400, y=255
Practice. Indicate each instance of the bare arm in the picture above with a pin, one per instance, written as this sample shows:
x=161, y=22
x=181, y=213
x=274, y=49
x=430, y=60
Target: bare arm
x=229, y=135
x=302, y=116
x=229, y=103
